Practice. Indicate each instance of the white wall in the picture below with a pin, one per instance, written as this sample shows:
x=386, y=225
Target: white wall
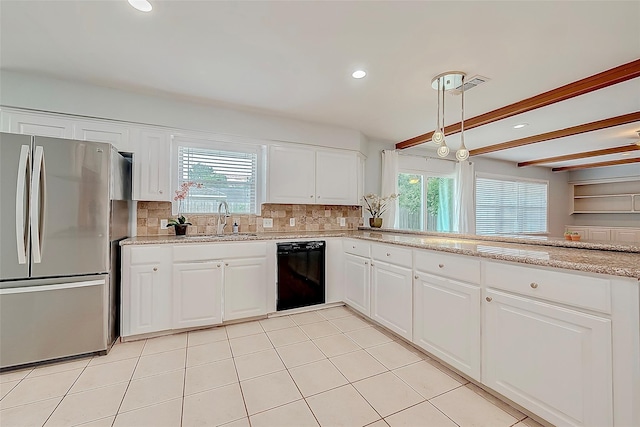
x=48, y=94
x=373, y=164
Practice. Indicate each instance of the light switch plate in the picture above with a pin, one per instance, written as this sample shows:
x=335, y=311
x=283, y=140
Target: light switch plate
x=292, y=222
x=163, y=223
x=343, y=222
x=267, y=222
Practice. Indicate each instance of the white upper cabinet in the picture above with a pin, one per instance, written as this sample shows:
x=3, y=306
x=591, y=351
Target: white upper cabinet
x=309, y=176
x=151, y=165
x=37, y=124
x=115, y=134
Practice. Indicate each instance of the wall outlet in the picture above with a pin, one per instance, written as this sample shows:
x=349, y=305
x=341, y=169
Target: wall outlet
x=292, y=222
x=163, y=223
x=267, y=222
x=343, y=222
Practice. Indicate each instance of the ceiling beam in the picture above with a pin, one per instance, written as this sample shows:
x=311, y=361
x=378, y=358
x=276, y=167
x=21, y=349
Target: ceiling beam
x=601, y=80
x=583, y=155
x=562, y=133
x=597, y=165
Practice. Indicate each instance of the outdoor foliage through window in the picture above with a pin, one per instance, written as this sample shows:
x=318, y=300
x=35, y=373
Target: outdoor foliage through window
x=425, y=202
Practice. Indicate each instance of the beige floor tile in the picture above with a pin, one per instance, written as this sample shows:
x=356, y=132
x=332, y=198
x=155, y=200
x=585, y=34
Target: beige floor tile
x=242, y=422
x=424, y=414
x=295, y=414
x=258, y=364
x=206, y=336
x=394, y=355
x=153, y=390
x=287, y=336
x=379, y=423
x=342, y=407
x=269, y=391
x=31, y=415
x=358, y=365
x=88, y=406
x=334, y=312
x=387, y=393
x=319, y=330
x=440, y=366
x=306, y=318
x=368, y=337
x=426, y=379
x=243, y=329
x=7, y=387
x=250, y=344
x=350, y=323
x=40, y=388
x=102, y=422
x=14, y=375
x=499, y=403
x=166, y=414
x=59, y=367
x=120, y=351
x=104, y=375
x=160, y=363
x=300, y=354
x=335, y=345
x=211, y=375
x=166, y=343
x=214, y=407
x=275, y=323
x=314, y=378
x=467, y=408
x=207, y=353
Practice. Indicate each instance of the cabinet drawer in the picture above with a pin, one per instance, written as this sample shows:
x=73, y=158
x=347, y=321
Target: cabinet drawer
x=572, y=289
x=148, y=254
x=392, y=254
x=204, y=252
x=466, y=269
x=357, y=247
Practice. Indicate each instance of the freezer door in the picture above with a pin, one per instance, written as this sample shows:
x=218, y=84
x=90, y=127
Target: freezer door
x=15, y=178
x=69, y=207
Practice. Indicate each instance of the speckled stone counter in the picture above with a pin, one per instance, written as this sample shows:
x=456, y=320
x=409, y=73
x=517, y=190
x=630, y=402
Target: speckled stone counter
x=587, y=258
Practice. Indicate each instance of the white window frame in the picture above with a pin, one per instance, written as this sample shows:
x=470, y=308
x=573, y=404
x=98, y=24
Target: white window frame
x=513, y=179
x=222, y=143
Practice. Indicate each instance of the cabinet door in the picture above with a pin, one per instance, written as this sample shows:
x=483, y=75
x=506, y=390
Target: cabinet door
x=599, y=234
x=553, y=361
x=148, y=308
x=151, y=166
x=292, y=174
x=631, y=235
x=38, y=124
x=197, y=294
x=447, y=321
x=357, y=273
x=391, y=298
x=245, y=288
x=117, y=135
x=336, y=178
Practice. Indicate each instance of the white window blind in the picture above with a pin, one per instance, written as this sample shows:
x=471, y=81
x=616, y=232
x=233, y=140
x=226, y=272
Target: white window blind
x=229, y=176
x=510, y=206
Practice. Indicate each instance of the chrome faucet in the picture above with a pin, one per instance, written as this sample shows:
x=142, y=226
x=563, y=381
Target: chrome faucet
x=221, y=224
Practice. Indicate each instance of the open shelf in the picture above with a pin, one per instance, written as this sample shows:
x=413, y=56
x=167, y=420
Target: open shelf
x=607, y=196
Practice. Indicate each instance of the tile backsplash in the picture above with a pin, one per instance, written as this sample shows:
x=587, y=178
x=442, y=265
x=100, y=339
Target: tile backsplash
x=307, y=218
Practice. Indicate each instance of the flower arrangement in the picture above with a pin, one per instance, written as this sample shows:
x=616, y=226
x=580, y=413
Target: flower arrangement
x=377, y=205
x=181, y=194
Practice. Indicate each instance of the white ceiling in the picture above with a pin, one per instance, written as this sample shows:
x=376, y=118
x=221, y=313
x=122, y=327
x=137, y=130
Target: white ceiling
x=294, y=59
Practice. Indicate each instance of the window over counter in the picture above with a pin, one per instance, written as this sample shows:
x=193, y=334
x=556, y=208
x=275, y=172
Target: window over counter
x=509, y=205
x=227, y=172
x=426, y=202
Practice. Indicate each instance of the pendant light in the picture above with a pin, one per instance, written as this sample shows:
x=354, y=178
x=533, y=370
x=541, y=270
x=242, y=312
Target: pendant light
x=442, y=83
x=462, y=154
x=438, y=135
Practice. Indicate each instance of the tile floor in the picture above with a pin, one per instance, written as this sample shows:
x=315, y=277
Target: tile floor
x=327, y=367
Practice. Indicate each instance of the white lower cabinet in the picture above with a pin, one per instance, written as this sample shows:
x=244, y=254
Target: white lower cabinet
x=245, y=290
x=391, y=297
x=446, y=321
x=552, y=360
x=197, y=294
x=357, y=274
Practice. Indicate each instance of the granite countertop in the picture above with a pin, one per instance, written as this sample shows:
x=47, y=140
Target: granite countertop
x=587, y=257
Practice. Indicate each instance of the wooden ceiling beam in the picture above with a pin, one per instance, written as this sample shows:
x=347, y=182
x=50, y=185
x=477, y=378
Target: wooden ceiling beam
x=562, y=133
x=601, y=80
x=597, y=165
x=583, y=155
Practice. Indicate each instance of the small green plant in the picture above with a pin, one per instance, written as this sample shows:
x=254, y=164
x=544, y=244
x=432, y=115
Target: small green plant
x=181, y=220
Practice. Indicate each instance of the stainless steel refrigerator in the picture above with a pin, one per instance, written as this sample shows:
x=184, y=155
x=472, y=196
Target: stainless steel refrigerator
x=63, y=210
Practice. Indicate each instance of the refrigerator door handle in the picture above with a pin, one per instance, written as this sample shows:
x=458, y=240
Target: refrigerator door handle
x=22, y=231
x=38, y=204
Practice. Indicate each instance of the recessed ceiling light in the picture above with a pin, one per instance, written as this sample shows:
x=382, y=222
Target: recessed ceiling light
x=358, y=74
x=141, y=5
x=520, y=125
x=626, y=154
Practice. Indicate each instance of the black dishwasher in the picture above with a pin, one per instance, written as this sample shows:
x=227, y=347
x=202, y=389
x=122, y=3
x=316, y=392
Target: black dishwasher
x=300, y=274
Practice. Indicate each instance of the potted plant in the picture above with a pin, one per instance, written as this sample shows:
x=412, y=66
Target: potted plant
x=180, y=223
x=575, y=236
x=376, y=206
x=567, y=235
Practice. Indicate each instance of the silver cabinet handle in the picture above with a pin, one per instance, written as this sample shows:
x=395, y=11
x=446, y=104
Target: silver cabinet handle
x=311, y=197
x=416, y=277
x=533, y=285
x=366, y=263
x=372, y=265
x=388, y=254
x=489, y=299
x=227, y=264
x=160, y=191
x=155, y=268
x=218, y=265
x=441, y=265
x=353, y=247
